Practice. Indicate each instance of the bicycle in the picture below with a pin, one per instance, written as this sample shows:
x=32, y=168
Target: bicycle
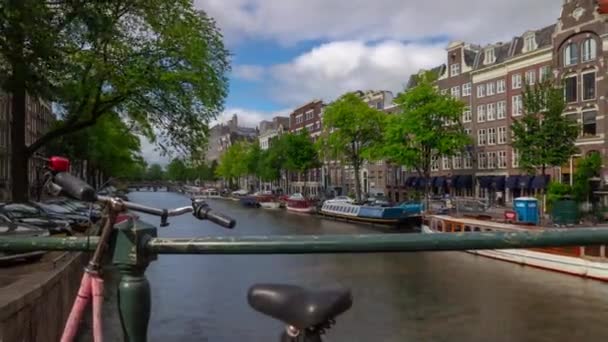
x=308, y=314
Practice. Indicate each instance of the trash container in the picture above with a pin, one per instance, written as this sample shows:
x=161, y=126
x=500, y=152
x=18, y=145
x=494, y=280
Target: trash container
x=564, y=212
x=526, y=209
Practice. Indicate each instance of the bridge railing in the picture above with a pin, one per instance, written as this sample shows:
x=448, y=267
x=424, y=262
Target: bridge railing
x=136, y=244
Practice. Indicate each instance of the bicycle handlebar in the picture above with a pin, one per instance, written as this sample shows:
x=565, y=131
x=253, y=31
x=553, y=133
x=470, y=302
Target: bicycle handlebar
x=203, y=212
x=75, y=187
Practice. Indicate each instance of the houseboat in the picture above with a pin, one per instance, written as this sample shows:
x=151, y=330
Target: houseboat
x=585, y=261
x=401, y=214
x=208, y=194
x=300, y=204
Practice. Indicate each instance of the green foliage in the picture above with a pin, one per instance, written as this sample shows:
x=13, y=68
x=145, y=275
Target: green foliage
x=351, y=128
x=232, y=163
x=155, y=172
x=300, y=152
x=177, y=170
x=557, y=191
x=543, y=136
x=427, y=126
x=587, y=168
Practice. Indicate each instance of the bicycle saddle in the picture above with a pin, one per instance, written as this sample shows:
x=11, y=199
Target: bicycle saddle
x=297, y=306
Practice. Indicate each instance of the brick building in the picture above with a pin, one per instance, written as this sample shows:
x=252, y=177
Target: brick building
x=490, y=80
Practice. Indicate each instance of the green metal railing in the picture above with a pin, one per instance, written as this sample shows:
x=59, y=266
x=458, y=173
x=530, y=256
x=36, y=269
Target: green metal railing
x=135, y=245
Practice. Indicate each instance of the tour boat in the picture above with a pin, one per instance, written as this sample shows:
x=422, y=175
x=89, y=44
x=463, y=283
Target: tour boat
x=208, y=194
x=585, y=261
x=404, y=213
x=300, y=204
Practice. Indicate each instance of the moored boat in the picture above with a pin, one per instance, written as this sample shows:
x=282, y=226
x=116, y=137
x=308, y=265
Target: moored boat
x=208, y=194
x=584, y=261
x=268, y=201
x=397, y=215
x=300, y=204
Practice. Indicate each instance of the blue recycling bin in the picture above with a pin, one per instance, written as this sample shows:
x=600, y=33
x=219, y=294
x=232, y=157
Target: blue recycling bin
x=526, y=209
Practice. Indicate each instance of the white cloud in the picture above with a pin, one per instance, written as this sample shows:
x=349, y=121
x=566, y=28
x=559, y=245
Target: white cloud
x=477, y=21
x=248, y=72
x=248, y=117
x=332, y=69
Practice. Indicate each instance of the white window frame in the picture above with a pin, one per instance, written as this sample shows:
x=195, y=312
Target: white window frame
x=482, y=138
x=489, y=55
x=502, y=135
x=445, y=163
x=468, y=131
x=455, y=92
x=531, y=77
x=491, y=112
x=467, y=115
x=467, y=161
x=443, y=91
x=514, y=159
x=500, y=86
x=542, y=74
x=481, y=113
x=457, y=161
x=492, y=135
x=583, y=86
x=455, y=69
x=481, y=91
x=490, y=90
x=514, y=111
x=530, y=42
x=516, y=81
x=569, y=57
x=466, y=89
x=578, y=95
x=482, y=160
x=434, y=163
x=501, y=114
x=502, y=159
x=588, y=50
x=492, y=160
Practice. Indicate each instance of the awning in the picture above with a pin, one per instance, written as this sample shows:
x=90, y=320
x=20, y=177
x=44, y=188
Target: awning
x=410, y=181
x=433, y=180
x=524, y=182
x=540, y=182
x=498, y=183
x=464, y=182
x=512, y=182
x=485, y=181
x=439, y=182
x=450, y=181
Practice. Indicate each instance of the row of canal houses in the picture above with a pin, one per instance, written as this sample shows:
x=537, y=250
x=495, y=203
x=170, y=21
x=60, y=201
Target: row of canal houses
x=489, y=80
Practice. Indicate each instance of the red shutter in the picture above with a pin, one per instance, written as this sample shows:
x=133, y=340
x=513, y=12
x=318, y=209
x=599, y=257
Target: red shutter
x=603, y=6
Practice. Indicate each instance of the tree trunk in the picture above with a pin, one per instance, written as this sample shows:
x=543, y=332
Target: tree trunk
x=427, y=190
x=543, y=169
x=19, y=153
x=356, y=166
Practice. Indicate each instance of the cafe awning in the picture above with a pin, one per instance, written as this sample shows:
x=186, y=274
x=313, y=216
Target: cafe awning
x=512, y=182
x=464, y=182
x=439, y=182
x=540, y=182
x=498, y=183
x=485, y=181
x=524, y=182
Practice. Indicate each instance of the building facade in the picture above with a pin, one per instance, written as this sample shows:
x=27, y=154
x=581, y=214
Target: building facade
x=268, y=132
x=308, y=116
x=223, y=135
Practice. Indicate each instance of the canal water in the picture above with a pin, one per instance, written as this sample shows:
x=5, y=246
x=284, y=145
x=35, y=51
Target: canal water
x=441, y=296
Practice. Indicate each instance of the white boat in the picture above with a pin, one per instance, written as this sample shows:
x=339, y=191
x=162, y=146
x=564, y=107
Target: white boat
x=208, y=193
x=406, y=213
x=270, y=205
x=584, y=261
x=340, y=199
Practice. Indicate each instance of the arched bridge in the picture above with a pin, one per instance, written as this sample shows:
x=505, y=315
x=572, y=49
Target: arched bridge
x=153, y=186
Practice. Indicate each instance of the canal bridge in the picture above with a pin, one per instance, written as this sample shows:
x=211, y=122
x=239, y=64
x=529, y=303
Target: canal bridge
x=153, y=185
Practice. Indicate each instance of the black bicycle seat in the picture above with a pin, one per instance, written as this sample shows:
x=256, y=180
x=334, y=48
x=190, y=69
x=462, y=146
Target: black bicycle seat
x=297, y=306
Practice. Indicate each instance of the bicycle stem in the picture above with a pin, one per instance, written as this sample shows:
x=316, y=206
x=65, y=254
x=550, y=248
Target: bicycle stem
x=108, y=224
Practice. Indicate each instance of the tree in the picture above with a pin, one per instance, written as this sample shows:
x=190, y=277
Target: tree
x=177, y=170
x=232, y=163
x=160, y=65
x=586, y=168
x=300, y=153
x=155, y=172
x=428, y=126
x=351, y=128
x=544, y=137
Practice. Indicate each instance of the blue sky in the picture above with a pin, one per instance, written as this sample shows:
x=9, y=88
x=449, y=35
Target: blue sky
x=289, y=52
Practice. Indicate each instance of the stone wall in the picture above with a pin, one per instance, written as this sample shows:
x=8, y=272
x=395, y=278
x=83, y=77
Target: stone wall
x=35, y=302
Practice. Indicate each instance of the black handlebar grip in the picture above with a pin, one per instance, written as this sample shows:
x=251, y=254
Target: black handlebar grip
x=205, y=213
x=75, y=187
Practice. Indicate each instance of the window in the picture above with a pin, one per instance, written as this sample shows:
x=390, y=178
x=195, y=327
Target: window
x=467, y=161
x=309, y=115
x=516, y=81
x=531, y=77
x=589, y=86
x=529, y=42
x=517, y=105
x=502, y=135
x=490, y=88
x=481, y=137
x=299, y=119
x=589, y=50
x=455, y=92
x=570, y=54
x=570, y=89
x=500, y=86
x=492, y=160
x=444, y=91
x=481, y=113
x=434, y=163
x=589, y=123
x=481, y=90
x=482, y=160
x=544, y=73
x=466, y=115
x=502, y=159
x=501, y=110
x=492, y=136
x=491, y=111
x=446, y=163
x=457, y=161
x=466, y=89
x=489, y=56
x=515, y=158
x=455, y=69
x=467, y=131
x=318, y=124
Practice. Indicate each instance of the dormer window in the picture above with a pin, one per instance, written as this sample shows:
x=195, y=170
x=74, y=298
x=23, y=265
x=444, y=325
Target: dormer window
x=489, y=56
x=529, y=42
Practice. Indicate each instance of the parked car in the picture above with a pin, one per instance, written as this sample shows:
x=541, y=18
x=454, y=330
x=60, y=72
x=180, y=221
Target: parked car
x=78, y=207
x=12, y=230
x=79, y=221
x=32, y=215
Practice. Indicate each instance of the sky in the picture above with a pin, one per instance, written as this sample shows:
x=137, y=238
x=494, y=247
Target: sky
x=286, y=53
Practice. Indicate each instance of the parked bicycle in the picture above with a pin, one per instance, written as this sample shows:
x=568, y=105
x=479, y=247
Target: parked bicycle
x=308, y=314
